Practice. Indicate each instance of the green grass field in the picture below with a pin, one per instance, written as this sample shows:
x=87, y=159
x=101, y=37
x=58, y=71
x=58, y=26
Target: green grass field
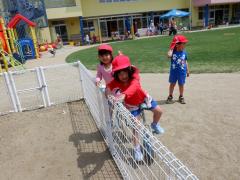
x=208, y=52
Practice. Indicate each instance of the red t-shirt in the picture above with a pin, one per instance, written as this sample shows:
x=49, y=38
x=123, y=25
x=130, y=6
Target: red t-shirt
x=135, y=95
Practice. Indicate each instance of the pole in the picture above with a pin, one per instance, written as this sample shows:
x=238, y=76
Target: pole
x=5, y=35
x=34, y=37
x=10, y=91
x=132, y=28
x=190, y=17
x=81, y=29
x=40, y=85
x=99, y=31
x=15, y=94
x=11, y=40
x=44, y=86
x=206, y=10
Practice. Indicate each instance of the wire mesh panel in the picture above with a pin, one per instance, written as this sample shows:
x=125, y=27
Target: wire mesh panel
x=98, y=106
x=158, y=161
x=26, y=86
x=5, y=102
x=63, y=82
x=94, y=98
x=121, y=131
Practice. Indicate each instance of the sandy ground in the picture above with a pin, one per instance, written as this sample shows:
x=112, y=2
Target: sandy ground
x=204, y=133
x=60, y=142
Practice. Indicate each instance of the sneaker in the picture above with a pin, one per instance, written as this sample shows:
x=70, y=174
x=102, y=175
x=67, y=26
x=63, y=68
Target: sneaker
x=138, y=156
x=157, y=128
x=181, y=100
x=169, y=100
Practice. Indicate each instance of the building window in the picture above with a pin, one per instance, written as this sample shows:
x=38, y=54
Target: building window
x=200, y=13
x=88, y=26
x=144, y=23
x=59, y=3
x=112, y=1
x=212, y=14
x=236, y=14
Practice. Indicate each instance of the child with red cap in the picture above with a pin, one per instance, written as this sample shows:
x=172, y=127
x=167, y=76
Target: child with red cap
x=104, y=69
x=126, y=81
x=179, y=67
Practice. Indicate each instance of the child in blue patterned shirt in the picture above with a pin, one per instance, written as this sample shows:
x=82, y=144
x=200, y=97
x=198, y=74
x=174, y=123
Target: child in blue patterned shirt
x=179, y=67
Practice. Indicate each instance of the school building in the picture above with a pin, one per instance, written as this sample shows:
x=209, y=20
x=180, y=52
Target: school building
x=73, y=19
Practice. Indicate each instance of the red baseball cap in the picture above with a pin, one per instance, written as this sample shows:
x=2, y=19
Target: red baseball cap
x=178, y=39
x=105, y=47
x=120, y=62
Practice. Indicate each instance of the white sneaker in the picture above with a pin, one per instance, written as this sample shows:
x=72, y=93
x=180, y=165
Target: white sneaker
x=138, y=156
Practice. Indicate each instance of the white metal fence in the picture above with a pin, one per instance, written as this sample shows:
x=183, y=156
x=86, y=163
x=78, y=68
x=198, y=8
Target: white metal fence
x=44, y=86
x=39, y=87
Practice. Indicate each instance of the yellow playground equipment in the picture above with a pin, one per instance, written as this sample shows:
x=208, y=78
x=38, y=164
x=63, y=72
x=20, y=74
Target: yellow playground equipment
x=10, y=44
x=6, y=58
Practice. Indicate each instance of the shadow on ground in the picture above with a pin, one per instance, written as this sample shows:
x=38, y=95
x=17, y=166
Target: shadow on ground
x=94, y=159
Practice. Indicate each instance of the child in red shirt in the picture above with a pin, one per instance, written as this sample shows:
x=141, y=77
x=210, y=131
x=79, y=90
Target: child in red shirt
x=126, y=84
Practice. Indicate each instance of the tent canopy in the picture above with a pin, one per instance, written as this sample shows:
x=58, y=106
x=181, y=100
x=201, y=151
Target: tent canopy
x=175, y=13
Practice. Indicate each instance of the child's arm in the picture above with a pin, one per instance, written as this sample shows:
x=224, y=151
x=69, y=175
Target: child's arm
x=188, y=71
x=107, y=92
x=99, y=75
x=132, y=89
x=118, y=97
x=170, y=52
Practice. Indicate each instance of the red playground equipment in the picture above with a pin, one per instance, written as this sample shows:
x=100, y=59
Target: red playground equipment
x=12, y=25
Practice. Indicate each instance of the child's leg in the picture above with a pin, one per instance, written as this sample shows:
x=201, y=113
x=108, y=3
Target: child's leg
x=181, y=82
x=135, y=135
x=138, y=156
x=172, y=81
x=157, y=113
x=171, y=88
x=181, y=89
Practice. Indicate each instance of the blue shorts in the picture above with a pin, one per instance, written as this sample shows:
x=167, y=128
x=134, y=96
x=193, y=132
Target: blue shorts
x=137, y=112
x=177, y=76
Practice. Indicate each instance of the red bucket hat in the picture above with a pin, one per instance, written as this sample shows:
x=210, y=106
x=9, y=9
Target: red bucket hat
x=120, y=62
x=178, y=39
x=105, y=47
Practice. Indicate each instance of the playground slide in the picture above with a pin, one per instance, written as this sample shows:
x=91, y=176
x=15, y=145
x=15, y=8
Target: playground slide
x=8, y=59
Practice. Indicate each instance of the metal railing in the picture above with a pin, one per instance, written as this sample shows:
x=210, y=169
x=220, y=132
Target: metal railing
x=45, y=86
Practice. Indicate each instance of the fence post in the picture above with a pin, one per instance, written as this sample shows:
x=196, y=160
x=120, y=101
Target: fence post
x=108, y=120
x=80, y=76
x=10, y=91
x=14, y=90
x=44, y=86
x=40, y=83
x=100, y=110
